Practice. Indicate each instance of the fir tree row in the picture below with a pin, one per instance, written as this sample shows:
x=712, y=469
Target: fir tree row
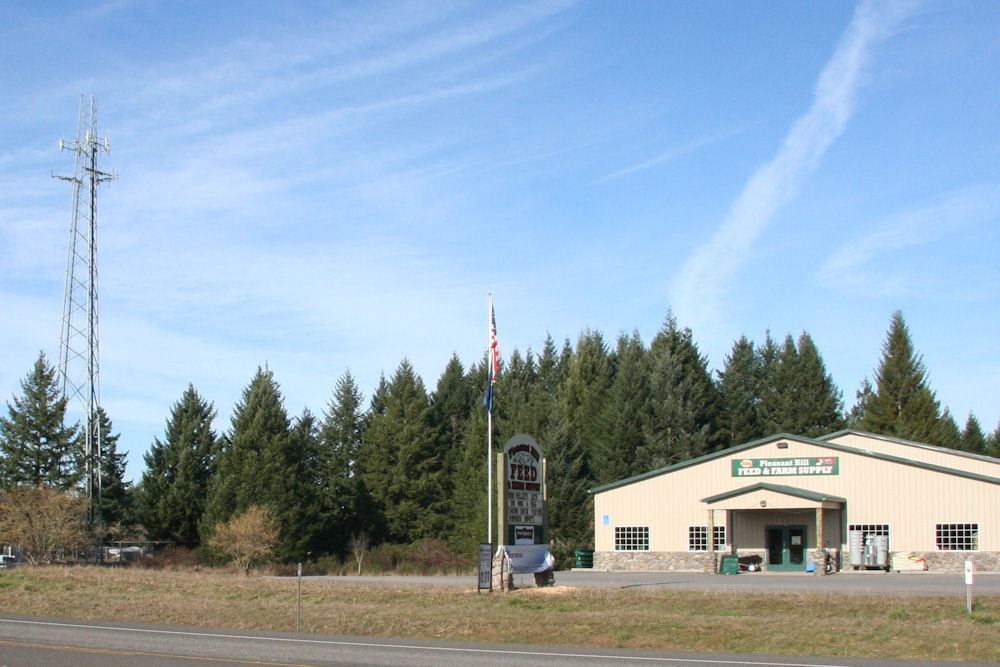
x=411, y=465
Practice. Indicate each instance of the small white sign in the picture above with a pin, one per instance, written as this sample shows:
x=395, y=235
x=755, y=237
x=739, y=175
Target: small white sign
x=970, y=573
x=485, y=566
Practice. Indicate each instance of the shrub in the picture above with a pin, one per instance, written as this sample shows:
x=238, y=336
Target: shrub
x=248, y=538
x=170, y=558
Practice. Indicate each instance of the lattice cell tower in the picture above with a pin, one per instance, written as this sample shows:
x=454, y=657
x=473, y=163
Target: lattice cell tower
x=79, y=358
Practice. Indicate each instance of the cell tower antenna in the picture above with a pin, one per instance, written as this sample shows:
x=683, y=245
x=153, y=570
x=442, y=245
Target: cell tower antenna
x=79, y=348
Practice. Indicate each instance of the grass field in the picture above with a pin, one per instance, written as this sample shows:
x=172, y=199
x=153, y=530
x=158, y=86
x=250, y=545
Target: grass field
x=790, y=624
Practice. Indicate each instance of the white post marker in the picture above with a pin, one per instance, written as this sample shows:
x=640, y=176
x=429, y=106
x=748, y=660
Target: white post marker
x=970, y=577
x=298, y=602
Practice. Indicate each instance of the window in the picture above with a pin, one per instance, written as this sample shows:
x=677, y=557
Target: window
x=870, y=530
x=631, y=538
x=698, y=538
x=957, y=536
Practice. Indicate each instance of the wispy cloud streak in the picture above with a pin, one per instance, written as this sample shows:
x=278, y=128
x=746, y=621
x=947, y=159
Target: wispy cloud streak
x=671, y=154
x=950, y=214
x=705, y=278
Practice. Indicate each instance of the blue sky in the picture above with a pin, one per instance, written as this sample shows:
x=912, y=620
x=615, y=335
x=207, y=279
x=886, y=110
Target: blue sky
x=323, y=187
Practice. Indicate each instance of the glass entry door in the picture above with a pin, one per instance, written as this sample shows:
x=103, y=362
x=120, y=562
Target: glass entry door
x=786, y=547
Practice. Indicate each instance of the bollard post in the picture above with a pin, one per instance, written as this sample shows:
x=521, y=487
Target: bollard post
x=298, y=602
x=970, y=575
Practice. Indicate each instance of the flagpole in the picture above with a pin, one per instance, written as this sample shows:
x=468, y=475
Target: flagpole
x=489, y=431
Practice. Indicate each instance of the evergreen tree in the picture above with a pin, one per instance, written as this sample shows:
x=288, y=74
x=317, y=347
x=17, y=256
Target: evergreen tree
x=36, y=449
x=739, y=393
x=469, y=492
x=175, y=484
x=901, y=405
x=780, y=392
x=684, y=403
x=513, y=395
x=863, y=396
x=344, y=493
x=571, y=508
x=973, y=438
x=402, y=467
x=261, y=464
x=993, y=443
x=818, y=406
x=298, y=492
x=628, y=400
x=585, y=395
x=117, y=503
x=946, y=432
x=534, y=404
x=772, y=396
x=576, y=428
x=451, y=404
x=377, y=405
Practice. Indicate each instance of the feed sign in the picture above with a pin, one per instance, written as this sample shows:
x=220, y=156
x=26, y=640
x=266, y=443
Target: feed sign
x=790, y=467
x=524, y=480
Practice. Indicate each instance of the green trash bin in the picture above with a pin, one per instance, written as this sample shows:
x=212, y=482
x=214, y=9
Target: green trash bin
x=584, y=558
x=730, y=565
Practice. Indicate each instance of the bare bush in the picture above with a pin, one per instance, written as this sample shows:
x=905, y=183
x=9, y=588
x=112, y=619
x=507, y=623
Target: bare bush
x=248, y=538
x=43, y=520
x=172, y=557
x=359, y=547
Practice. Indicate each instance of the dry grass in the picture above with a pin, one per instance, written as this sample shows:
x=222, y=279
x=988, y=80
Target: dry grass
x=790, y=624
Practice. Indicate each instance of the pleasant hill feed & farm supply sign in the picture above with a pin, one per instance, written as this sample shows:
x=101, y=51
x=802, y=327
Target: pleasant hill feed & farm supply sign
x=790, y=467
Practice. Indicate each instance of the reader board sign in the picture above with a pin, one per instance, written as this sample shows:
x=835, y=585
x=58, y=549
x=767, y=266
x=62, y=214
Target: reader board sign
x=485, y=566
x=524, y=480
x=788, y=467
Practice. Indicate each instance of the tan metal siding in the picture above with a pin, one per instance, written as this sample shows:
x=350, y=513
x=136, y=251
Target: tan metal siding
x=908, y=498
x=933, y=456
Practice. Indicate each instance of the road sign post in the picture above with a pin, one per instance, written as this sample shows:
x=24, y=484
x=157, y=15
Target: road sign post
x=970, y=577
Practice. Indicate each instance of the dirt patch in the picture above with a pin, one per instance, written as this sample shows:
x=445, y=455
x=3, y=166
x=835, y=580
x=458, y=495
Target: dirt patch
x=547, y=590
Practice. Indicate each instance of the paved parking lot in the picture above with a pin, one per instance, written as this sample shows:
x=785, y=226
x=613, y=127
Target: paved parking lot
x=848, y=582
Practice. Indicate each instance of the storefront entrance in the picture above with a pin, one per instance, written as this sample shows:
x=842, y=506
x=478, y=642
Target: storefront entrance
x=786, y=547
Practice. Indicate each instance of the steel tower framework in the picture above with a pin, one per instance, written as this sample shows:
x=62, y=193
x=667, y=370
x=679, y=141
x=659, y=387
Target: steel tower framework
x=79, y=348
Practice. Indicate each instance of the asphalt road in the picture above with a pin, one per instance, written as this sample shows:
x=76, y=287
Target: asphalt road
x=862, y=582
x=65, y=643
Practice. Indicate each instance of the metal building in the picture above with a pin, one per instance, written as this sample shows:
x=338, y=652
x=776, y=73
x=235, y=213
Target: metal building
x=853, y=499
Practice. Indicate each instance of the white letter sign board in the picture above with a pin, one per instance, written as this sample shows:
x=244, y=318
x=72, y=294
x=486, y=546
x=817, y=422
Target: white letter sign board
x=524, y=480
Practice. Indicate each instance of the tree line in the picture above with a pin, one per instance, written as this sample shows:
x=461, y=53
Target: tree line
x=409, y=466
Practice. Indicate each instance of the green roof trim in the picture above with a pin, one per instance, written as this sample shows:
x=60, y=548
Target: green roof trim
x=910, y=443
x=778, y=488
x=695, y=461
x=820, y=442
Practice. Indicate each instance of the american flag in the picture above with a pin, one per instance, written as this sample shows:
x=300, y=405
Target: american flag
x=494, y=362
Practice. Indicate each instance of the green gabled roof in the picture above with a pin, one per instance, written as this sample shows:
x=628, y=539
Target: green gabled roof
x=700, y=459
x=821, y=442
x=910, y=443
x=779, y=488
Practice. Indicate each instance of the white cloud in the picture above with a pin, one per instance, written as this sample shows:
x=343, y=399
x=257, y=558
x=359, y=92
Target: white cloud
x=954, y=211
x=706, y=277
x=857, y=262
x=672, y=154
